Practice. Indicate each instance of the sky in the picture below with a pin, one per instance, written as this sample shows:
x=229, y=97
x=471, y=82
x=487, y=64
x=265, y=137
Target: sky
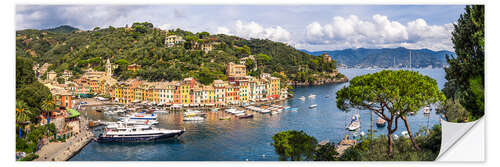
x=310, y=27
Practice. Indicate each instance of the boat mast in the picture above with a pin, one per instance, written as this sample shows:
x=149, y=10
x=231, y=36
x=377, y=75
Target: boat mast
x=394, y=62
x=410, y=59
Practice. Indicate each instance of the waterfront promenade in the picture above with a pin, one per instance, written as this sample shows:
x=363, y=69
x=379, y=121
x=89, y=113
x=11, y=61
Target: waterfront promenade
x=62, y=151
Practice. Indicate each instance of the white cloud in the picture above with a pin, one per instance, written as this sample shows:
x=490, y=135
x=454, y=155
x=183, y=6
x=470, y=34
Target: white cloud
x=420, y=30
x=223, y=30
x=255, y=30
x=165, y=26
x=379, y=31
x=314, y=30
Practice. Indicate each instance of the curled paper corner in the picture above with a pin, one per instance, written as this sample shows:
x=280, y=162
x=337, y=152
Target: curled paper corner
x=451, y=133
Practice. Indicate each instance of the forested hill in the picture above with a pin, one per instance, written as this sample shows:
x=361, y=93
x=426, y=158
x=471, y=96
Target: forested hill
x=388, y=57
x=63, y=29
x=143, y=44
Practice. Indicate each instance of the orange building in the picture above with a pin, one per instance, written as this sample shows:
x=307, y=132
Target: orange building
x=62, y=98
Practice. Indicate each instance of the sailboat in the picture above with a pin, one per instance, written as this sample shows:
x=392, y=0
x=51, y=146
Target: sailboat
x=355, y=123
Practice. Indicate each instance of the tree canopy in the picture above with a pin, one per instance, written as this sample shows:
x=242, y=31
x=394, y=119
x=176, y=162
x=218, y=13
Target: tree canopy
x=29, y=91
x=143, y=44
x=465, y=73
x=294, y=145
x=391, y=95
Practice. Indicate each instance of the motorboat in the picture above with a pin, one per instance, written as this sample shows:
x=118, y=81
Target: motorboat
x=427, y=109
x=128, y=121
x=355, y=123
x=192, y=113
x=313, y=106
x=193, y=118
x=225, y=118
x=312, y=96
x=380, y=122
x=142, y=116
x=245, y=116
x=139, y=133
x=302, y=98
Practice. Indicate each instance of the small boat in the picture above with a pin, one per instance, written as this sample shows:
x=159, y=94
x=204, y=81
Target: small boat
x=427, y=109
x=380, y=122
x=355, y=123
x=192, y=113
x=265, y=111
x=195, y=118
x=412, y=113
x=312, y=96
x=327, y=96
x=142, y=116
x=313, y=106
x=245, y=116
x=225, y=118
x=302, y=98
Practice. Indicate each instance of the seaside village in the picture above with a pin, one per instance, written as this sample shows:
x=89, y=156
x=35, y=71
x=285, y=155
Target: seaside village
x=239, y=90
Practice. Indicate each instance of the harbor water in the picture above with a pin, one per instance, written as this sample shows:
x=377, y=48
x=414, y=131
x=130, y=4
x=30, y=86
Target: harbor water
x=250, y=139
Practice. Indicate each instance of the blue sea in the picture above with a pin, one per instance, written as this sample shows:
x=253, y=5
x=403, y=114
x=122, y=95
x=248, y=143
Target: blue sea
x=250, y=139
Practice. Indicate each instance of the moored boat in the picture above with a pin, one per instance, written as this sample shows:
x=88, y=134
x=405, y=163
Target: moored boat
x=313, y=106
x=123, y=133
x=302, y=98
x=355, y=123
x=193, y=118
x=142, y=116
x=245, y=116
x=380, y=122
x=427, y=109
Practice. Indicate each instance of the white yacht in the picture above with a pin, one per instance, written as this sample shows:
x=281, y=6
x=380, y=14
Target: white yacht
x=142, y=116
x=355, y=123
x=193, y=118
x=123, y=133
x=128, y=121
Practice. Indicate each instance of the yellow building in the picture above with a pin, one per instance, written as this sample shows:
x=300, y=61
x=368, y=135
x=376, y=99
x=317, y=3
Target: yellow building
x=274, y=87
x=236, y=70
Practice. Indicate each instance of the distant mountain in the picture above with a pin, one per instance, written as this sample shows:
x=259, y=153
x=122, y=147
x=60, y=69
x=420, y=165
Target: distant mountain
x=63, y=29
x=387, y=57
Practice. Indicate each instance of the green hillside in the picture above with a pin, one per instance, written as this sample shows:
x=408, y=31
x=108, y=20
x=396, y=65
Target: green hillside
x=144, y=45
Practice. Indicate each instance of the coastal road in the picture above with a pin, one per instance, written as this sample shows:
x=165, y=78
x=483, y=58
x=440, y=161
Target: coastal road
x=63, y=150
